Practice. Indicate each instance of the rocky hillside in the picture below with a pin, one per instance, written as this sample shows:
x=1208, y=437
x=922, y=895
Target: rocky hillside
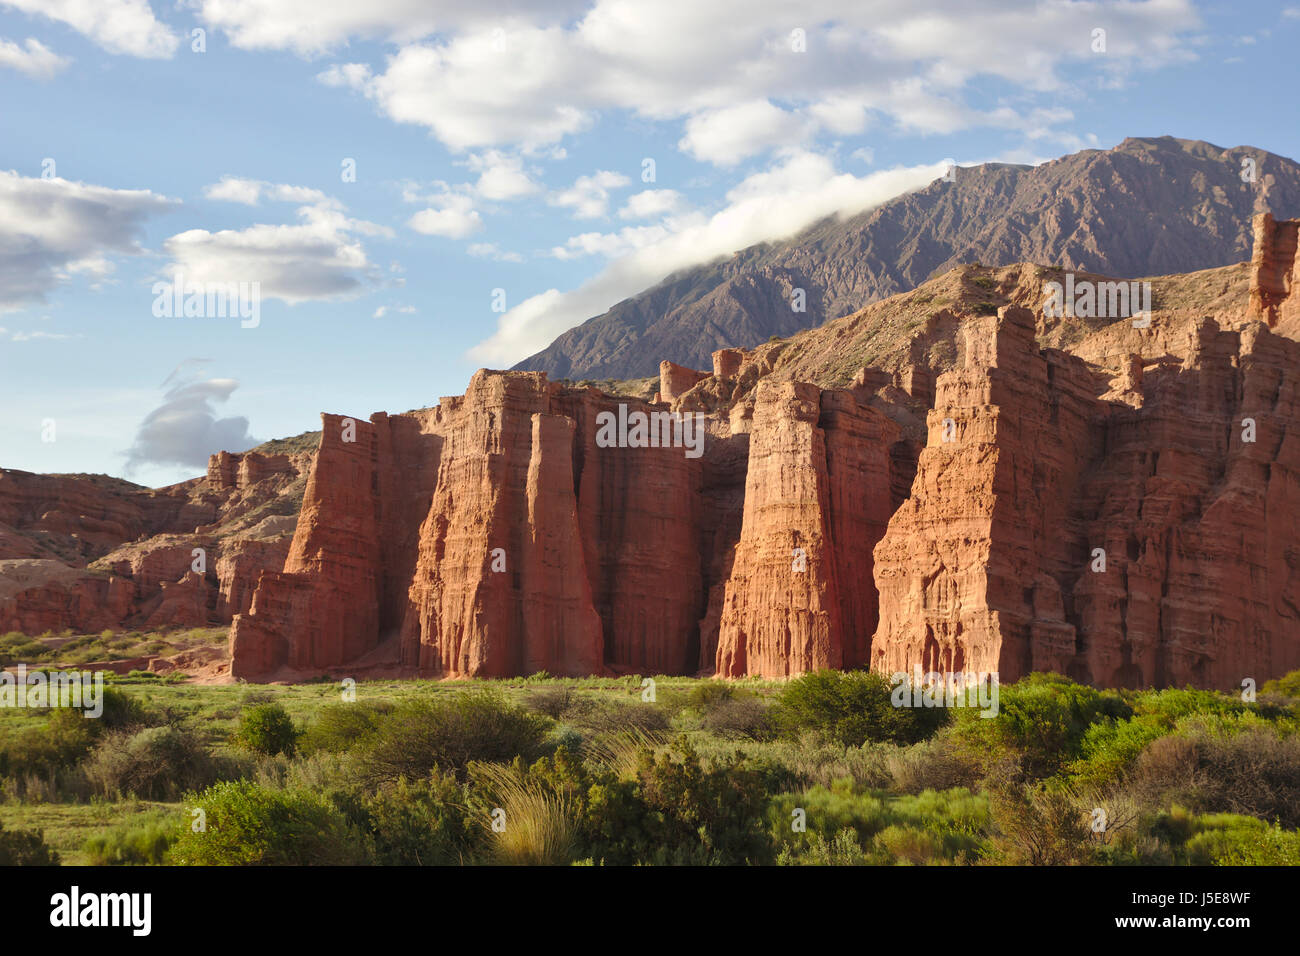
x=1147, y=207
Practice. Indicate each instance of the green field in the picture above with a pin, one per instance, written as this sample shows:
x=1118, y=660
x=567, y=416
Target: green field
x=820, y=770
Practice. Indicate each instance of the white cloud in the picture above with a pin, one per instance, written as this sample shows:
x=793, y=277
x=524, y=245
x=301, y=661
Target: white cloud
x=803, y=188
x=35, y=59
x=450, y=215
x=51, y=229
x=489, y=250
x=501, y=177
x=119, y=26
x=611, y=245
x=531, y=80
x=250, y=192
x=588, y=197
x=728, y=135
x=310, y=27
x=184, y=430
x=650, y=203
x=321, y=257
x=383, y=310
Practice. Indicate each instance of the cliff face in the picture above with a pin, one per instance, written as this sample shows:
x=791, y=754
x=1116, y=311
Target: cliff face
x=989, y=504
x=1122, y=544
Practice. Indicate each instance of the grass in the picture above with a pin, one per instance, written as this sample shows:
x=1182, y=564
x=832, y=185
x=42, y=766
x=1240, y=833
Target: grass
x=877, y=789
x=68, y=826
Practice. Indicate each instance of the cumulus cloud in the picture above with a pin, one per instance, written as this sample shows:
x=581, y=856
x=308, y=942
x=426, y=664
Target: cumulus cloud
x=320, y=257
x=449, y=214
x=728, y=135
x=33, y=58
x=501, y=177
x=722, y=66
x=650, y=203
x=119, y=26
x=52, y=229
x=588, y=197
x=184, y=430
x=803, y=188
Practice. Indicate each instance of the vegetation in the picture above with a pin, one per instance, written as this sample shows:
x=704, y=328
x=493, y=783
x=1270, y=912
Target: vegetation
x=822, y=770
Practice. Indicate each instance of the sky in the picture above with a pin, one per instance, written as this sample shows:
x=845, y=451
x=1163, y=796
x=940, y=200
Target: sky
x=400, y=192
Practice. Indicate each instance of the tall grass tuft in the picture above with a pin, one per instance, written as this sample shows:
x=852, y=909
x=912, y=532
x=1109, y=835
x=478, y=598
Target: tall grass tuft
x=540, y=825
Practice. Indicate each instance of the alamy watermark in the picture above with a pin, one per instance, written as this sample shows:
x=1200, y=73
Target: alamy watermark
x=1086, y=299
x=19, y=688
x=975, y=689
x=208, y=300
x=640, y=429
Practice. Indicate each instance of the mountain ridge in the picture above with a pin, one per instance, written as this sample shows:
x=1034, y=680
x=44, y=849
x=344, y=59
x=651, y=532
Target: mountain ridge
x=1103, y=211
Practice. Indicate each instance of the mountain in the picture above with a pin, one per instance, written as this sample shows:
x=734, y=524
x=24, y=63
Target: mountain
x=1153, y=206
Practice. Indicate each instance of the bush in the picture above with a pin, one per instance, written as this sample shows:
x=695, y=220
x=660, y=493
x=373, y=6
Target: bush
x=1287, y=685
x=1038, y=825
x=1255, y=772
x=1040, y=726
x=931, y=827
x=266, y=729
x=448, y=733
x=249, y=825
x=419, y=824
x=342, y=727
x=138, y=843
x=741, y=717
x=63, y=739
x=935, y=764
x=554, y=702
x=851, y=708
x=679, y=811
x=25, y=848
x=158, y=763
x=618, y=718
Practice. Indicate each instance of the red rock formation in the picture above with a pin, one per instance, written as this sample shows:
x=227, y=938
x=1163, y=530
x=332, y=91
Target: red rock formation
x=1274, y=269
x=141, y=538
x=817, y=497
x=991, y=564
x=676, y=380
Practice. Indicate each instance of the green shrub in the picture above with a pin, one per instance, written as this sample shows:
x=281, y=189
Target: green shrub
x=930, y=827
x=851, y=708
x=1041, y=723
x=267, y=729
x=158, y=763
x=342, y=727
x=448, y=733
x=419, y=824
x=136, y=843
x=25, y=848
x=1288, y=685
x=245, y=824
x=61, y=740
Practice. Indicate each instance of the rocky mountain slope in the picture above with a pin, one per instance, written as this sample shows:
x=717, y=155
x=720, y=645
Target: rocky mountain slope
x=89, y=552
x=1147, y=207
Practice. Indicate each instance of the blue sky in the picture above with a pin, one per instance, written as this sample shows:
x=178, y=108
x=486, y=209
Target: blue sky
x=497, y=146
